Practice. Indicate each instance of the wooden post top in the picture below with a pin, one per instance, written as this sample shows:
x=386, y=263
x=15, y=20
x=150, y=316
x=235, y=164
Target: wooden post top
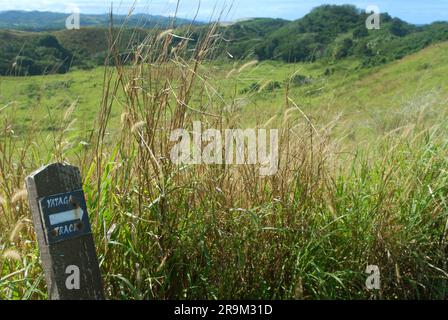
x=63, y=231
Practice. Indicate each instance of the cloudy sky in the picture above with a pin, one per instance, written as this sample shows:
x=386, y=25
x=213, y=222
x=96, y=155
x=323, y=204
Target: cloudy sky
x=415, y=11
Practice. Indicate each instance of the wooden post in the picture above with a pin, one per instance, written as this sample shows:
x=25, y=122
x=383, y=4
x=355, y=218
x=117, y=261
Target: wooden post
x=63, y=232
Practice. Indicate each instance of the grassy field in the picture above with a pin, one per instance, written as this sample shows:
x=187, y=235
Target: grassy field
x=363, y=178
x=361, y=97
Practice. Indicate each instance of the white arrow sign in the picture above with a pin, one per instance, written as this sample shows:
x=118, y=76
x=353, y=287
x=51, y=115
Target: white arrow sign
x=75, y=214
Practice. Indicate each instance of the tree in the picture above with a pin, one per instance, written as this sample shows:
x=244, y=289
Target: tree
x=343, y=49
x=398, y=28
x=360, y=32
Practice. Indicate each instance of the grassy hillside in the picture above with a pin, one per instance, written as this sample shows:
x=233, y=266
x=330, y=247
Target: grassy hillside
x=362, y=170
x=362, y=178
x=366, y=100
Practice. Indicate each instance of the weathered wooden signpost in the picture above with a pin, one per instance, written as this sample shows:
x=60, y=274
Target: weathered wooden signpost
x=63, y=231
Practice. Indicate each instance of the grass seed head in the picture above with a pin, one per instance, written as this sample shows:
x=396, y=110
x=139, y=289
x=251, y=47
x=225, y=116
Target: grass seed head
x=138, y=126
x=247, y=65
x=11, y=254
x=16, y=231
x=20, y=195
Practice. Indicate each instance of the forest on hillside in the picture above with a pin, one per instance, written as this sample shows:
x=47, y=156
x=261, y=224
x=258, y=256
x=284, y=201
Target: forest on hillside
x=328, y=32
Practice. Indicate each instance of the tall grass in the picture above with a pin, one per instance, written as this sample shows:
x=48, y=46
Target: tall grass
x=164, y=231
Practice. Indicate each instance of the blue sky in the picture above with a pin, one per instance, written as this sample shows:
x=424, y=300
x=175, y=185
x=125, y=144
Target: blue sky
x=415, y=11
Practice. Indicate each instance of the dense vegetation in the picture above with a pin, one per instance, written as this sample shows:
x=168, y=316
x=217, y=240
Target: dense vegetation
x=336, y=32
x=361, y=181
x=89, y=46
x=363, y=157
x=23, y=53
x=329, y=32
x=32, y=54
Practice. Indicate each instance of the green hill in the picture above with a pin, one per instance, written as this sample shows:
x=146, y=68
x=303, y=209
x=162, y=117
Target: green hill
x=328, y=33
x=89, y=46
x=29, y=53
x=335, y=32
x=24, y=53
x=243, y=37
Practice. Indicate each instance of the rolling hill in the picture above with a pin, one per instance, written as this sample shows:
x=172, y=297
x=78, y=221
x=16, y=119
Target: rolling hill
x=328, y=33
x=369, y=187
x=45, y=21
x=335, y=32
